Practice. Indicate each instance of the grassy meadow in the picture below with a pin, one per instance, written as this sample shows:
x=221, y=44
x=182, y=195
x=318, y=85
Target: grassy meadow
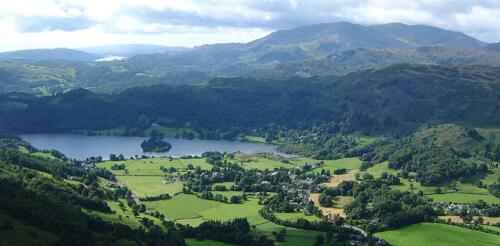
x=427, y=234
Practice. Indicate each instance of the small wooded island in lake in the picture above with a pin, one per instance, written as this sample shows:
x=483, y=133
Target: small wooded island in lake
x=155, y=143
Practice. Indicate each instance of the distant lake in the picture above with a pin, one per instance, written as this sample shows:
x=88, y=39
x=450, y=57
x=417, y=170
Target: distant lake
x=80, y=146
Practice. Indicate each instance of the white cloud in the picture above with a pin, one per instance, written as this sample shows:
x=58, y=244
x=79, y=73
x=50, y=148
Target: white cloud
x=38, y=23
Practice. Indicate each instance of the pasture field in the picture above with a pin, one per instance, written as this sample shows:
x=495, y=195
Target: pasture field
x=464, y=198
x=378, y=169
x=22, y=234
x=151, y=166
x=295, y=216
x=189, y=209
x=182, y=206
x=348, y=163
x=144, y=186
x=123, y=216
x=424, y=234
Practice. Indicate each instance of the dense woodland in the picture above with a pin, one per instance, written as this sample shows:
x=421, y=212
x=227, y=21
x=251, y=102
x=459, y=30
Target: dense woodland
x=393, y=100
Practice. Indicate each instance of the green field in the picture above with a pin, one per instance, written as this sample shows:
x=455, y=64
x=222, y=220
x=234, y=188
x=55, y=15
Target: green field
x=438, y=234
x=295, y=216
x=378, y=169
x=348, y=163
x=149, y=185
x=122, y=216
x=464, y=198
x=151, y=166
x=190, y=209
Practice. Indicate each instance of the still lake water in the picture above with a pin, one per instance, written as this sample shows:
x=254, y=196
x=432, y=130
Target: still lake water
x=80, y=146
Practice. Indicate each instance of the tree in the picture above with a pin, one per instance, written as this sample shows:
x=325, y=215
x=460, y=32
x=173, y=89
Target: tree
x=280, y=236
x=235, y=199
x=320, y=239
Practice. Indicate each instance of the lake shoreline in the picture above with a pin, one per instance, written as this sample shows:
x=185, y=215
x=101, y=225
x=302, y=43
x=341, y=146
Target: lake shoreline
x=79, y=146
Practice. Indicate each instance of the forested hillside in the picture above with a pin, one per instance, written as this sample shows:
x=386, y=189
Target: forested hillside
x=392, y=100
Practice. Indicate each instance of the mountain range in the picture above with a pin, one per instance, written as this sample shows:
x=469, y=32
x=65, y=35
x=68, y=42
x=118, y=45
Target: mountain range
x=315, y=50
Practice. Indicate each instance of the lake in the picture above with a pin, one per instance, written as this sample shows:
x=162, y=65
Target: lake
x=80, y=146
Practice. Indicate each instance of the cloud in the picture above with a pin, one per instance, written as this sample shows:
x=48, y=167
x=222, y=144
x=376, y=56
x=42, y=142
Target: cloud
x=178, y=22
x=42, y=23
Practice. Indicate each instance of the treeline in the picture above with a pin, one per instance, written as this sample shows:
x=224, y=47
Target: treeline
x=322, y=225
x=236, y=232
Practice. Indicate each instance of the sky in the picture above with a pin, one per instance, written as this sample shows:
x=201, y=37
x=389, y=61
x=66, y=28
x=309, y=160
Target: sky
x=26, y=24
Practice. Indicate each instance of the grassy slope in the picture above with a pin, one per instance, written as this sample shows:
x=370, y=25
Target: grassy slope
x=123, y=216
x=438, y=234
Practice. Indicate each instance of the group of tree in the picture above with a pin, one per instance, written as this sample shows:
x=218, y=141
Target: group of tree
x=376, y=207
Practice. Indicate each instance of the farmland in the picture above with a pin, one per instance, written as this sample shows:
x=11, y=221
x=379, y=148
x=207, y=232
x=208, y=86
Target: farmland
x=437, y=234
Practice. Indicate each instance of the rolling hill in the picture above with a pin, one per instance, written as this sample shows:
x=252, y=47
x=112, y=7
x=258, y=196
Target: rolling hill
x=334, y=49
x=49, y=54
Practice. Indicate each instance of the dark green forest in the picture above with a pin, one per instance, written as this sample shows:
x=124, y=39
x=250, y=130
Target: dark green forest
x=394, y=100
